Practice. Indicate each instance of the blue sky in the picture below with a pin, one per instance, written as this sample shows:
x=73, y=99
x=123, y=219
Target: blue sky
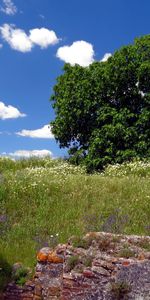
x=36, y=38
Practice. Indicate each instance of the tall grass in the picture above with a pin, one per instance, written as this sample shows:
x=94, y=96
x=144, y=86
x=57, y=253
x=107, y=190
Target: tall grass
x=45, y=201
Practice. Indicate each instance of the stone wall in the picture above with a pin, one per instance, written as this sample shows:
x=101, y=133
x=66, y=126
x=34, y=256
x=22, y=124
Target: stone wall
x=98, y=266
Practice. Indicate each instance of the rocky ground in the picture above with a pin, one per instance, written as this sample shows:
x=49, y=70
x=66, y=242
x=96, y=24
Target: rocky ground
x=99, y=266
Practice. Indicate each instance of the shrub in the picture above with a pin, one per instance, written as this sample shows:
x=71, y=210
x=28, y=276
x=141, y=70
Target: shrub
x=126, y=253
x=120, y=289
x=5, y=272
x=80, y=242
x=72, y=261
x=20, y=275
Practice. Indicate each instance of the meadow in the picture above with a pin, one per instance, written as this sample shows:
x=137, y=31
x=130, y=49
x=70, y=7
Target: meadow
x=44, y=202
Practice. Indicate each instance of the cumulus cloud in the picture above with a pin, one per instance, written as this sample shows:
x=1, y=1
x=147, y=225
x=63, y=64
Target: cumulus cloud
x=20, y=41
x=43, y=37
x=16, y=38
x=42, y=133
x=106, y=56
x=31, y=153
x=79, y=52
x=9, y=112
x=8, y=7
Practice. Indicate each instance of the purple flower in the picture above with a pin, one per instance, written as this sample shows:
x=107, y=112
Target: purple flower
x=3, y=218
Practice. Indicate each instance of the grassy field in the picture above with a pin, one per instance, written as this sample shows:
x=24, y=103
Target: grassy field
x=44, y=202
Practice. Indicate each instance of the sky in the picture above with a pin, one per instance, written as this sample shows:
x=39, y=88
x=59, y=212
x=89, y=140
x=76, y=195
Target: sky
x=36, y=38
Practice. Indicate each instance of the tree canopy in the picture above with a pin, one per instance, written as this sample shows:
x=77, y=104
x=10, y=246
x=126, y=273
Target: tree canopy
x=103, y=111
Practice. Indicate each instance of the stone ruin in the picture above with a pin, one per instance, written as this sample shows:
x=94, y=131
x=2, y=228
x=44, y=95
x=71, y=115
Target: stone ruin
x=99, y=266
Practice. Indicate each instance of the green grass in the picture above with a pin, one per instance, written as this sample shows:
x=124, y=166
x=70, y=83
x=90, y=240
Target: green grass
x=44, y=202
x=120, y=289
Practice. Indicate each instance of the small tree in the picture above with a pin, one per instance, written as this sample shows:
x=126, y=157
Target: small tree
x=103, y=111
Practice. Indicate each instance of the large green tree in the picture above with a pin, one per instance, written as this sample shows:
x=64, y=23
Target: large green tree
x=103, y=111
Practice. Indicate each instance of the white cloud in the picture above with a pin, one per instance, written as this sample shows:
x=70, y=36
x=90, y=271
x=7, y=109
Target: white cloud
x=43, y=133
x=9, y=7
x=106, y=56
x=42, y=16
x=9, y=112
x=20, y=41
x=6, y=133
x=79, y=52
x=31, y=153
x=43, y=37
x=1, y=46
x=16, y=38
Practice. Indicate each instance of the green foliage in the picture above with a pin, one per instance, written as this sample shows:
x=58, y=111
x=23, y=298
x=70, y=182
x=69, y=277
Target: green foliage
x=144, y=243
x=72, y=262
x=120, y=289
x=126, y=253
x=87, y=261
x=5, y=272
x=103, y=111
x=20, y=276
x=44, y=205
x=79, y=242
x=134, y=168
x=8, y=164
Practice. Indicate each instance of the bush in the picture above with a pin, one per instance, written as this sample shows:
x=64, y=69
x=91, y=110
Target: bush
x=20, y=275
x=120, y=289
x=5, y=272
x=72, y=261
